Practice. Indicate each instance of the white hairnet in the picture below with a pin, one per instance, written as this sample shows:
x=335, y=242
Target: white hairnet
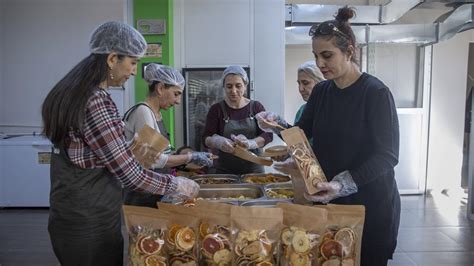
x=235, y=70
x=114, y=36
x=310, y=68
x=165, y=74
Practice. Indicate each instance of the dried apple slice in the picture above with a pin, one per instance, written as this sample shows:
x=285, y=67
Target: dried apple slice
x=299, y=259
x=300, y=242
x=222, y=256
x=154, y=260
x=286, y=236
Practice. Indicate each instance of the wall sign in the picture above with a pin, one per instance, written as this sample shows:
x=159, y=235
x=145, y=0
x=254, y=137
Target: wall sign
x=151, y=26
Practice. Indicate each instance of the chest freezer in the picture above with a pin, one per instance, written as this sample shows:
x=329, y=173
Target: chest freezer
x=24, y=171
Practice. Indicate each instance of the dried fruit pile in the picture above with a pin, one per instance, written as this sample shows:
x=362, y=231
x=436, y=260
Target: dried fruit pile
x=299, y=246
x=181, y=241
x=307, y=163
x=146, y=246
x=338, y=247
x=215, y=245
x=280, y=193
x=266, y=179
x=253, y=247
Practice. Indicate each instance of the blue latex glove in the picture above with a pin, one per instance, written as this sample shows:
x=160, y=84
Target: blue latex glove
x=200, y=158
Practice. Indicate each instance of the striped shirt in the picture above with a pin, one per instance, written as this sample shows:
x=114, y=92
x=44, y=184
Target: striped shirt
x=102, y=144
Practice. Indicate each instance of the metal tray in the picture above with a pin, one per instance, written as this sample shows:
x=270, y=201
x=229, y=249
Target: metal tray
x=231, y=192
x=216, y=179
x=276, y=187
x=263, y=179
x=264, y=202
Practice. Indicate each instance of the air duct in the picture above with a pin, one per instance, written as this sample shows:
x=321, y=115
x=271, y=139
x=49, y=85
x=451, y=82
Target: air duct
x=459, y=20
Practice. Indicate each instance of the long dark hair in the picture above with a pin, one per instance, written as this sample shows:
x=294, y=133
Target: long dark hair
x=65, y=105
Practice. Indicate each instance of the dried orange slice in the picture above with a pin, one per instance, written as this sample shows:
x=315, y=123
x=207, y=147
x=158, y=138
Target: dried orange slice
x=346, y=237
x=172, y=233
x=264, y=263
x=137, y=244
x=330, y=249
x=185, y=238
x=150, y=245
x=204, y=230
x=155, y=261
x=211, y=245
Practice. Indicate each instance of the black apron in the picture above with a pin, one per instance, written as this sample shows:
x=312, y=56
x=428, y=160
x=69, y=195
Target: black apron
x=85, y=213
x=228, y=163
x=145, y=199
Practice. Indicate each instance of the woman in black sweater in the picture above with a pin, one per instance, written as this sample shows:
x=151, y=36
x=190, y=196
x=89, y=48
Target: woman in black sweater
x=353, y=121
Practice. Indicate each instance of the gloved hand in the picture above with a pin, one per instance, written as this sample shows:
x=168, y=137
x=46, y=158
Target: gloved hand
x=185, y=189
x=340, y=186
x=200, y=158
x=222, y=143
x=243, y=141
x=266, y=119
x=286, y=166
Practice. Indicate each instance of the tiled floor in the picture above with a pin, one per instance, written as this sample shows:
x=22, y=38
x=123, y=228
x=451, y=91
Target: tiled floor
x=433, y=231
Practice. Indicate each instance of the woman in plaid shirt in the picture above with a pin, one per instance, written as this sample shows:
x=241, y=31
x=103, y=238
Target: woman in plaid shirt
x=92, y=161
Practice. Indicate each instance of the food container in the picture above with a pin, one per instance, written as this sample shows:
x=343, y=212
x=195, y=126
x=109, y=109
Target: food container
x=215, y=179
x=233, y=193
x=268, y=178
x=266, y=203
x=279, y=191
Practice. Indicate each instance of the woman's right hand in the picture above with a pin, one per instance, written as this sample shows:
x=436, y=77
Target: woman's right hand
x=200, y=158
x=185, y=189
x=287, y=167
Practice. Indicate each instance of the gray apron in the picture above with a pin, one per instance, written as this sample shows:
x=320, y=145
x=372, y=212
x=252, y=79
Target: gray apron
x=85, y=214
x=145, y=199
x=228, y=163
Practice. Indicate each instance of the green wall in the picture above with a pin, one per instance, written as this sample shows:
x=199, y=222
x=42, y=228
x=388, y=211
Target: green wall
x=156, y=9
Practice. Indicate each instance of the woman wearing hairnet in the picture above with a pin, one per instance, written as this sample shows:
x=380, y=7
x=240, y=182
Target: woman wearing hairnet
x=165, y=87
x=91, y=159
x=232, y=122
x=309, y=76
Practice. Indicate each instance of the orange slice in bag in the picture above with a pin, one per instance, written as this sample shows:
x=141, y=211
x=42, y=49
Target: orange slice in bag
x=346, y=237
x=185, y=239
x=155, y=261
x=150, y=245
x=211, y=245
x=204, y=230
x=172, y=233
x=331, y=249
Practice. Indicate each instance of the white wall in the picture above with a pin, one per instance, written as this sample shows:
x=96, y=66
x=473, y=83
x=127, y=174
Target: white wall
x=41, y=41
x=448, y=97
x=218, y=33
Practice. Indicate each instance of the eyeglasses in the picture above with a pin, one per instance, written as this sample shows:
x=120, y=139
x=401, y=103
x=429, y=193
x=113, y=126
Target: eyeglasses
x=326, y=28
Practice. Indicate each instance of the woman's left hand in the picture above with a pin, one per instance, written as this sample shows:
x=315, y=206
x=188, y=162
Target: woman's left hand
x=327, y=192
x=201, y=158
x=243, y=141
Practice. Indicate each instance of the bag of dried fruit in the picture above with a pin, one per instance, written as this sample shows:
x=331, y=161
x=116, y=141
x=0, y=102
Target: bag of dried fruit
x=146, y=230
x=341, y=242
x=255, y=234
x=301, y=234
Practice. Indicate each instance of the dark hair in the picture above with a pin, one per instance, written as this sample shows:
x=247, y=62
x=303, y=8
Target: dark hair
x=339, y=28
x=151, y=87
x=64, y=107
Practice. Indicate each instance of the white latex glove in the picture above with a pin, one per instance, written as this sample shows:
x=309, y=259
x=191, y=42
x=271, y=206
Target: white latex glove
x=340, y=186
x=222, y=143
x=243, y=141
x=264, y=118
x=185, y=189
x=200, y=158
x=286, y=166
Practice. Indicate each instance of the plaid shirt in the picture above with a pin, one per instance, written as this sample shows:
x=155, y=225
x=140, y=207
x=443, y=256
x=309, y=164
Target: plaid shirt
x=103, y=144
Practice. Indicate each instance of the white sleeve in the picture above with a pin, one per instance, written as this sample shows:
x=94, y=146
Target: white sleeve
x=138, y=118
